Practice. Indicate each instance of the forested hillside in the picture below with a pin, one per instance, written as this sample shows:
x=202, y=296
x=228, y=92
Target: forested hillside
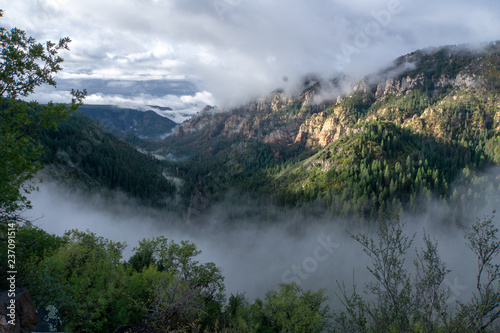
x=399, y=138
x=81, y=150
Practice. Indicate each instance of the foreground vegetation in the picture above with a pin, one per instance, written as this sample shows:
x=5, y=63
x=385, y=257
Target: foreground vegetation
x=163, y=285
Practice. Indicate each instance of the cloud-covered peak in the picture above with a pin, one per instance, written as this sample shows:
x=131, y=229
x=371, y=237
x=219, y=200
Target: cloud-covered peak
x=240, y=49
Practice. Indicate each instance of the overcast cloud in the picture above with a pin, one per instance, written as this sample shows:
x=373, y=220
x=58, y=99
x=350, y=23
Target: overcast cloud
x=232, y=50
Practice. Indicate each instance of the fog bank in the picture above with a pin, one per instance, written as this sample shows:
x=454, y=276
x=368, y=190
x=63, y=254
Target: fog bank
x=255, y=257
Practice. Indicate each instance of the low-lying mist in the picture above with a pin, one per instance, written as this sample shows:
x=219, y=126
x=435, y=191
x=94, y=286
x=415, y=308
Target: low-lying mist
x=256, y=257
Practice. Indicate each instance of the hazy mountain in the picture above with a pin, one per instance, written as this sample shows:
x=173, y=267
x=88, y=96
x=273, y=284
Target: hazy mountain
x=399, y=137
x=123, y=121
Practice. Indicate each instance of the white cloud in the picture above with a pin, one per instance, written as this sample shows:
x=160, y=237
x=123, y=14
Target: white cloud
x=183, y=106
x=238, y=49
x=200, y=97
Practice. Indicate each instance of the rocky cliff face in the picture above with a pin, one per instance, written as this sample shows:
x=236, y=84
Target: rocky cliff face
x=398, y=87
x=275, y=101
x=277, y=118
x=265, y=120
x=429, y=121
x=323, y=128
x=497, y=119
x=402, y=86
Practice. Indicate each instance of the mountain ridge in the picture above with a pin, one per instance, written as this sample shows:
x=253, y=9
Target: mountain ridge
x=125, y=121
x=299, y=151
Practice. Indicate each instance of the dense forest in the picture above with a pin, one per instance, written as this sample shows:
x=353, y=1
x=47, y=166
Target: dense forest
x=82, y=151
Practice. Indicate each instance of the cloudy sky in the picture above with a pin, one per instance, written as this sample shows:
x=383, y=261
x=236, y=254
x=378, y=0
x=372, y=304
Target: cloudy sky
x=188, y=53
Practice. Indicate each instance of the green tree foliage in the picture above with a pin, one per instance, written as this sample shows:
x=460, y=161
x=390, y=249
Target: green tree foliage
x=404, y=300
x=162, y=283
x=186, y=290
x=83, y=279
x=289, y=309
x=293, y=310
x=484, y=308
x=84, y=276
x=83, y=151
x=402, y=303
x=32, y=246
x=24, y=65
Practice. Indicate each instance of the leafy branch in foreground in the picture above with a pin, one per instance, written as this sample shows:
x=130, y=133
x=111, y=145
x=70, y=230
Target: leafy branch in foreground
x=24, y=65
x=399, y=302
x=484, y=307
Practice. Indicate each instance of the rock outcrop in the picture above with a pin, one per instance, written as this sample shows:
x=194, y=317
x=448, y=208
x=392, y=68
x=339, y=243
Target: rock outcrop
x=280, y=119
x=275, y=101
x=398, y=87
x=497, y=120
x=49, y=319
x=402, y=86
x=323, y=129
x=20, y=319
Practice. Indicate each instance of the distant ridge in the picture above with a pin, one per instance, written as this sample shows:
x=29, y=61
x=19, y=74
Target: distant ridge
x=125, y=121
